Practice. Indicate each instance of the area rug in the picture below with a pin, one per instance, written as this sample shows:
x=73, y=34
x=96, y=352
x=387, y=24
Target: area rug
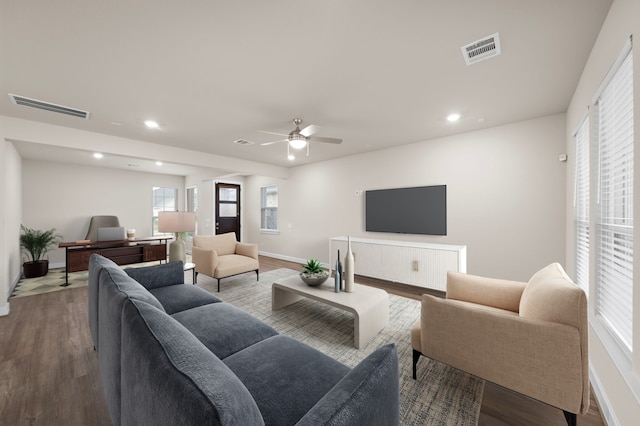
x=441, y=395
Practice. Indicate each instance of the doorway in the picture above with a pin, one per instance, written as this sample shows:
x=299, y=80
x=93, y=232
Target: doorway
x=228, y=209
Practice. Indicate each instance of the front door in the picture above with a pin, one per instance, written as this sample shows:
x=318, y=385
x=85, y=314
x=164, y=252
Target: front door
x=228, y=209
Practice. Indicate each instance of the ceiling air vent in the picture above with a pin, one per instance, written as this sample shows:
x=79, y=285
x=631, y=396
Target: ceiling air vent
x=34, y=103
x=243, y=142
x=482, y=49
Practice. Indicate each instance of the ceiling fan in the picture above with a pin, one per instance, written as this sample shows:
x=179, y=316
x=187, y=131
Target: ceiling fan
x=299, y=139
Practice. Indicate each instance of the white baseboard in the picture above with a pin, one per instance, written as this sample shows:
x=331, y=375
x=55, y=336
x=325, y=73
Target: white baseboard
x=288, y=258
x=603, y=401
x=4, y=310
x=57, y=265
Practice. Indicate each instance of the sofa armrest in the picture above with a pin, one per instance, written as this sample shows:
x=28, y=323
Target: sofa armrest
x=367, y=395
x=206, y=260
x=537, y=358
x=503, y=294
x=249, y=250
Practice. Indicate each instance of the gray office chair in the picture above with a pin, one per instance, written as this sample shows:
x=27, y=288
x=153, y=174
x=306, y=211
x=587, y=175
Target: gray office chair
x=100, y=222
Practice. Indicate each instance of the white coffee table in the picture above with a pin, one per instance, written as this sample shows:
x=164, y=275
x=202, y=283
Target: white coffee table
x=369, y=306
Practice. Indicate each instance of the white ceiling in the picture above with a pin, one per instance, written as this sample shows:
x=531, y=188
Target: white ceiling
x=375, y=73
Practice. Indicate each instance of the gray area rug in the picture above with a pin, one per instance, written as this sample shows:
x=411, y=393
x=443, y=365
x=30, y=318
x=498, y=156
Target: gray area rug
x=441, y=395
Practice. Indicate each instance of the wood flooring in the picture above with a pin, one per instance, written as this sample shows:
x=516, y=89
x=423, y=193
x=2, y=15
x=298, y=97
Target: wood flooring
x=49, y=371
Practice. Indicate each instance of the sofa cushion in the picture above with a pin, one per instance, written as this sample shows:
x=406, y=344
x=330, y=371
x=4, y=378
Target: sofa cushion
x=233, y=264
x=115, y=287
x=285, y=377
x=355, y=399
x=158, y=275
x=224, y=328
x=180, y=297
x=550, y=295
x=96, y=264
x=169, y=377
x=223, y=244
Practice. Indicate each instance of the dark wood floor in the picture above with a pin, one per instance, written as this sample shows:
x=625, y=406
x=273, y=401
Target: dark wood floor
x=49, y=371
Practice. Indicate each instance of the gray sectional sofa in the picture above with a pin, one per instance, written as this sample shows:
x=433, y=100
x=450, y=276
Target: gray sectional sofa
x=172, y=353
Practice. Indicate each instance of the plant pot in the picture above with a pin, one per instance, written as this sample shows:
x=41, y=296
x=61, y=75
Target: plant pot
x=314, y=279
x=39, y=268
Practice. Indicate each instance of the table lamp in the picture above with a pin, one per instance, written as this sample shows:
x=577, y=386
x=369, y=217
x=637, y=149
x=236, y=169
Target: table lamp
x=177, y=222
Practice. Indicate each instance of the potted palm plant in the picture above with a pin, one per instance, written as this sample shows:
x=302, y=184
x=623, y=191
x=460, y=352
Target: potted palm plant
x=37, y=243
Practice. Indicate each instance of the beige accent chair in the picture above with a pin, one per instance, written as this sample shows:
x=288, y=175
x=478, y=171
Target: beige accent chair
x=221, y=256
x=529, y=337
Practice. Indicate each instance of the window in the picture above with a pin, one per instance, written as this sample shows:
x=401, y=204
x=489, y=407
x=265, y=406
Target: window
x=269, y=208
x=581, y=205
x=192, y=205
x=164, y=199
x=614, y=222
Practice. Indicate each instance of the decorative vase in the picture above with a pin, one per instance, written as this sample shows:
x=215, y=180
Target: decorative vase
x=348, y=268
x=340, y=271
x=338, y=275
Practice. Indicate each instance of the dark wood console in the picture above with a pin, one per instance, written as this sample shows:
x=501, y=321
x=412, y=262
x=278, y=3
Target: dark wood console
x=122, y=252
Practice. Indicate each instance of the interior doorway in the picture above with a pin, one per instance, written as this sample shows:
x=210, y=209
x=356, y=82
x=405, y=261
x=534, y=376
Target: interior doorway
x=228, y=208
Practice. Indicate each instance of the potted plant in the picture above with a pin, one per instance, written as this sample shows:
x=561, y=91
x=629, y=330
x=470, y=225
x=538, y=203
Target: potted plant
x=37, y=243
x=314, y=274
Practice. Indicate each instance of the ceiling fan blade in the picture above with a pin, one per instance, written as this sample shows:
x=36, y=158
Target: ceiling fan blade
x=325, y=140
x=273, y=133
x=309, y=130
x=271, y=143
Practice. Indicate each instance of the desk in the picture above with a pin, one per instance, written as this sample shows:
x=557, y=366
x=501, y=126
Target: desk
x=122, y=252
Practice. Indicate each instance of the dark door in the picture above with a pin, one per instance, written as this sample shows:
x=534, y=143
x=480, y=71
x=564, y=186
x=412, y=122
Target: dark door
x=228, y=209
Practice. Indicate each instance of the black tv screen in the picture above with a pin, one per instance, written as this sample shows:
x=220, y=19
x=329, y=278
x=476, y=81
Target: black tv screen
x=418, y=210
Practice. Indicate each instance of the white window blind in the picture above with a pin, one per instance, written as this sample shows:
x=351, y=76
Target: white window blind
x=581, y=205
x=614, y=224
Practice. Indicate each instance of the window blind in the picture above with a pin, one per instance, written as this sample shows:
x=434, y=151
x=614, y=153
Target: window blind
x=581, y=206
x=614, y=224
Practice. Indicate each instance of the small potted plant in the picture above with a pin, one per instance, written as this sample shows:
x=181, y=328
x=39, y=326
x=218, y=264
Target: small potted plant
x=314, y=274
x=37, y=243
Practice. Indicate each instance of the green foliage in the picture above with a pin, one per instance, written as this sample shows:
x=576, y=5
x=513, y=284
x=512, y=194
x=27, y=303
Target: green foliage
x=38, y=243
x=312, y=267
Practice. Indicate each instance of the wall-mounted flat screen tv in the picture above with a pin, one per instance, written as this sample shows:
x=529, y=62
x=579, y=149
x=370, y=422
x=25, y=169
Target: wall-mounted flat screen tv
x=418, y=210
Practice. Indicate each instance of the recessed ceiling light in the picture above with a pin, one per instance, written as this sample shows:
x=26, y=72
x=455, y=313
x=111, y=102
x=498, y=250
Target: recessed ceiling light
x=151, y=124
x=291, y=157
x=158, y=163
x=97, y=155
x=453, y=117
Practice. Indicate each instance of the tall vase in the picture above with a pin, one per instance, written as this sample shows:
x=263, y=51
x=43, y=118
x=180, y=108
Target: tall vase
x=338, y=276
x=340, y=271
x=349, y=268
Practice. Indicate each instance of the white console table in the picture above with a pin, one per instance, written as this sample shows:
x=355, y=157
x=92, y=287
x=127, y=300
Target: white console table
x=419, y=264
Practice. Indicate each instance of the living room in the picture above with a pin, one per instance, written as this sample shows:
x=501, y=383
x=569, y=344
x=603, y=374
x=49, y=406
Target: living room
x=509, y=199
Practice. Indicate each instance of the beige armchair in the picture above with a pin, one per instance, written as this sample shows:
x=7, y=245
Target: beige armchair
x=221, y=256
x=528, y=337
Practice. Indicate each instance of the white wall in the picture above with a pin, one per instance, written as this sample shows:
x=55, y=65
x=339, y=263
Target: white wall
x=505, y=197
x=614, y=383
x=10, y=194
x=65, y=196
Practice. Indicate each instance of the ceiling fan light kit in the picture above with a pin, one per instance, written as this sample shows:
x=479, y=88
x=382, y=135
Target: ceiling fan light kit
x=299, y=139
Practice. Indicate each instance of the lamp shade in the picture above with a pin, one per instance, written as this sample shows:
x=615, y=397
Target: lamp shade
x=176, y=222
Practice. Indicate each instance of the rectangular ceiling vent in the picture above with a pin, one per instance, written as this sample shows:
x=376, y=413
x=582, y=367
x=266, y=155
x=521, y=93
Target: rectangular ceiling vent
x=47, y=106
x=482, y=49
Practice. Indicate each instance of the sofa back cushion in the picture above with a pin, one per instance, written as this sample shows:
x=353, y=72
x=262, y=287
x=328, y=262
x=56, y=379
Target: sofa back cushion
x=96, y=264
x=115, y=287
x=158, y=275
x=169, y=377
x=222, y=244
x=550, y=295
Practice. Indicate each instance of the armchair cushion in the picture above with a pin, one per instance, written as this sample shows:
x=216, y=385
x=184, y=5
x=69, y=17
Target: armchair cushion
x=550, y=295
x=503, y=294
x=223, y=244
